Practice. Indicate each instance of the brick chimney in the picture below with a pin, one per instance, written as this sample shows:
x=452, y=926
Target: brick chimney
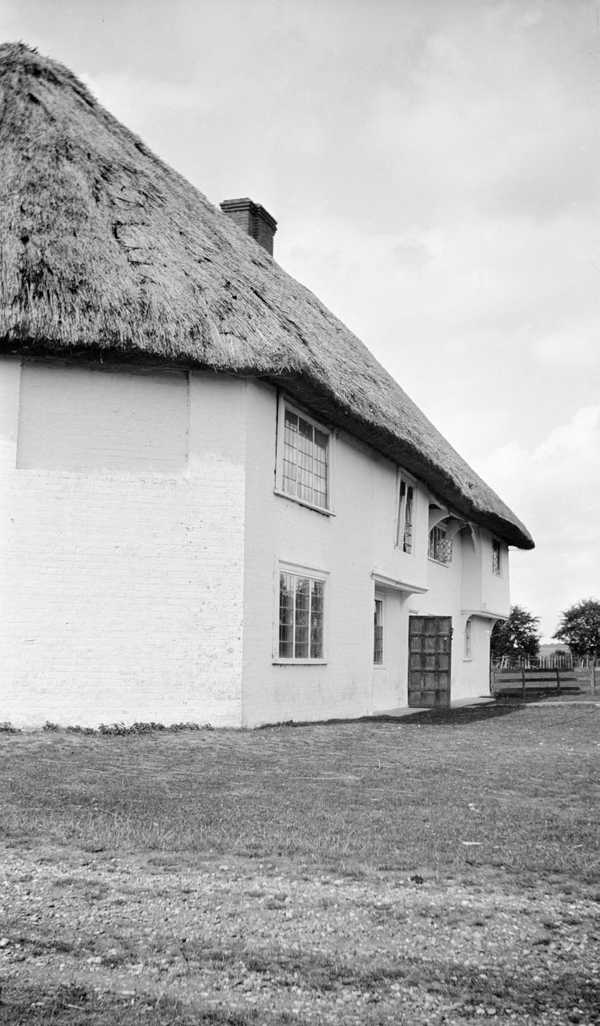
x=253, y=219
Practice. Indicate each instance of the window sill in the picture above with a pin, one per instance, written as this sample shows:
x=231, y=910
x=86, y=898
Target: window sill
x=299, y=662
x=438, y=562
x=302, y=502
x=467, y=659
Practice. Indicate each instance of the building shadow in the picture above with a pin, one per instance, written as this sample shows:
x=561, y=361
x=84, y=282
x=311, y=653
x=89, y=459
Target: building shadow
x=454, y=717
x=459, y=715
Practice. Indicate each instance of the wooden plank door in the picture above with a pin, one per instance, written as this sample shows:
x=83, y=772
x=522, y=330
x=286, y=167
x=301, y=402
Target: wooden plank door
x=429, y=661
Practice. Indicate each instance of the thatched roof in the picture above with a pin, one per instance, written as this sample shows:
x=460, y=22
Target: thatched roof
x=107, y=250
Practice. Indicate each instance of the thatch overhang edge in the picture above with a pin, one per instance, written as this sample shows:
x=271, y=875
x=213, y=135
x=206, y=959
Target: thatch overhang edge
x=323, y=404
x=172, y=281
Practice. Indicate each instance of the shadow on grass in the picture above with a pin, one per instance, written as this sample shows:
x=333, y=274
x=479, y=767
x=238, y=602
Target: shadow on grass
x=453, y=717
x=419, y=718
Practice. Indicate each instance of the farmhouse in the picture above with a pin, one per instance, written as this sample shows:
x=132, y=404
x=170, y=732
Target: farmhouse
x=217, y=506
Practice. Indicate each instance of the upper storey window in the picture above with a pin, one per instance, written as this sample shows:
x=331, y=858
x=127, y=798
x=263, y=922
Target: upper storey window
x=304, y=459
x=440, y=545
x=404, y=521
x=496, y=558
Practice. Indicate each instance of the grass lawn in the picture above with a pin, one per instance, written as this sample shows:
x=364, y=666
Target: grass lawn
x=436, y=869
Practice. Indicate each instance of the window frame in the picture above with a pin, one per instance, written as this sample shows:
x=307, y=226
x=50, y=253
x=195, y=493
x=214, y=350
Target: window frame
x=300, y=571
x=284, y=404
x=402, y=505
x=497, y=548
x=440, y=562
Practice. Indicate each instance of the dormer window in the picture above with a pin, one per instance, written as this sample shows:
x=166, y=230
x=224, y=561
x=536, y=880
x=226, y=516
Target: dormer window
x=440, y=546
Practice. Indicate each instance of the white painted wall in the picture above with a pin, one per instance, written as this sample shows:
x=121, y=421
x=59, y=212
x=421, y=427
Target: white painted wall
x=350, y=547
x=389, y=683
x=481, y=589
x=473, y=673
x=495, y=588
x=121, y=583
x=143, y=584
x=75, y=419
x=443, y=598
x=457, y=589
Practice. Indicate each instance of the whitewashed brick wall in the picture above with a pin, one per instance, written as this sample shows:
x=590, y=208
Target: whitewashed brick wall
x=121, y=587
x=140, y=541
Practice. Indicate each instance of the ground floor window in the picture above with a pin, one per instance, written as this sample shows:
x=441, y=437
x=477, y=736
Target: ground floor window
x=468, y=639
x=378, y=632
x=301, y=616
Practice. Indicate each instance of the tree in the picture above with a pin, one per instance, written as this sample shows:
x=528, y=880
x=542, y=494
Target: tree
x=579, y=628
x=516, y=639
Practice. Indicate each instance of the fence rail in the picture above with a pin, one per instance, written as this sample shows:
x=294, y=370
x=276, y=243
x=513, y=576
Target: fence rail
x=533, y=679
x=558, y=661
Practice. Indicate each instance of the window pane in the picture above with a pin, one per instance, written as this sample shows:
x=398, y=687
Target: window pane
x=286, y=616
x=316, y=620
x=302, y=596
x=400, y=512
x=440, y=547
x=286, y=647
x=301, y=644
x=301, y=616
x=305, y=429
x=378, y=632
x=304, y=462
x=408, y=516
x=321, y=440
x=289, y=449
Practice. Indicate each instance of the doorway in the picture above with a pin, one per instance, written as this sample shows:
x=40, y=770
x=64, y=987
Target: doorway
x=429, y=661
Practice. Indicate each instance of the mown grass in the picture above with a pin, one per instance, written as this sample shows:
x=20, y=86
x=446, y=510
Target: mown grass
x=401, y=794
x=423, y=870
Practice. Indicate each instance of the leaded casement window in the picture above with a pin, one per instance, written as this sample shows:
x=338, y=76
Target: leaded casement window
x=404, y=520
x=378, y=632
x=496, y=558
x=301, y=616
x=304, y=462
x=468, y=639
x=440, y=546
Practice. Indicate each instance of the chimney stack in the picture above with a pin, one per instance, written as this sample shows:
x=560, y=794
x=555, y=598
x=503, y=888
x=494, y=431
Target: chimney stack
x=253, y=219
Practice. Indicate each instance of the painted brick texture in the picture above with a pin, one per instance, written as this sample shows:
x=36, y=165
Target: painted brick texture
x=123, y=591
x=145, y=585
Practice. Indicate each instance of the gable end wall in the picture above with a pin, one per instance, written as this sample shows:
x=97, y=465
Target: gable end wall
x=121, y=594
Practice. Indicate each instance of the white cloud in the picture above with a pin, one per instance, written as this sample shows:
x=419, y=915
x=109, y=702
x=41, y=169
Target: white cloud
x=433, y=171
x=578, y=346
x=133, y=98
x=556, y=488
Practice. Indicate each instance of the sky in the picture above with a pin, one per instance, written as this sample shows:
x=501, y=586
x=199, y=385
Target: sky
x=434, y=168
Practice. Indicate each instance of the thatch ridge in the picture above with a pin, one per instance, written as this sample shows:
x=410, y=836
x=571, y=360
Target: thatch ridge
x=105, y=250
